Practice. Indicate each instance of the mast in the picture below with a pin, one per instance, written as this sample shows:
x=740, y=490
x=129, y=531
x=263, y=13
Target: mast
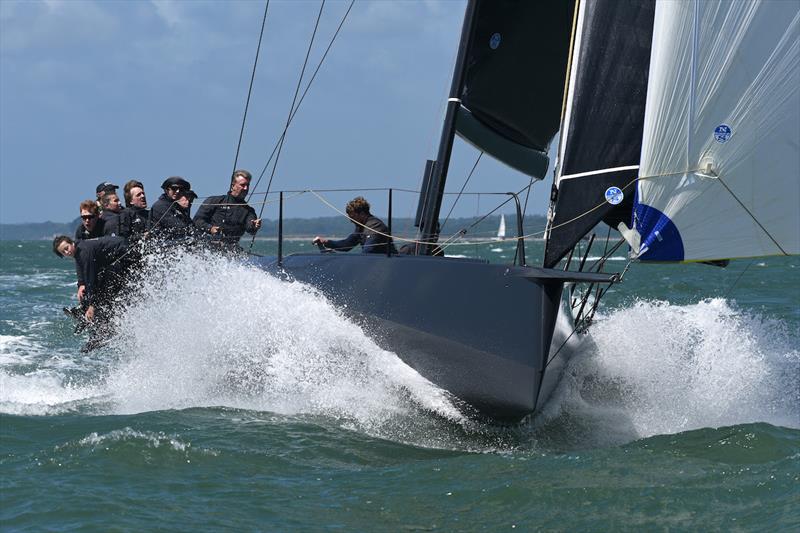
x=429, y=230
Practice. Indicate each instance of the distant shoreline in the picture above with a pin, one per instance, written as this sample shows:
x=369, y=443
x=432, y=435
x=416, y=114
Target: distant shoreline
x=298, y=229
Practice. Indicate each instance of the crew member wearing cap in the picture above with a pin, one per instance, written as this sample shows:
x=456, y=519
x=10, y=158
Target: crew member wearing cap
x=135, y=218
x=226, y=218
x=184, y=199
x=92, y=225
x=167, y=218
x=103, y=188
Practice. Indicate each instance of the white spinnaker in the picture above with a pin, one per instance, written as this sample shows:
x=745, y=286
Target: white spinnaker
x=730, y=68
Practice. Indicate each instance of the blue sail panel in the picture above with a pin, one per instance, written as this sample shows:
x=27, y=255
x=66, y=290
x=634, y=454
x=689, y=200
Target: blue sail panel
x=661, y=240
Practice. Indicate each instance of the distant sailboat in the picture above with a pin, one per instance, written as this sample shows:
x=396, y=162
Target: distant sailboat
x=501, y=230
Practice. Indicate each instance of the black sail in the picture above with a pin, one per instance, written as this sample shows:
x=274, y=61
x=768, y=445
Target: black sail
x=603, y=122
x=516, y=68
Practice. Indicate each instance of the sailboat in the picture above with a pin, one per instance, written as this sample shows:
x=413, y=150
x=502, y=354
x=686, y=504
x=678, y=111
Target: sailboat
x=584, y=72
x=501, y=229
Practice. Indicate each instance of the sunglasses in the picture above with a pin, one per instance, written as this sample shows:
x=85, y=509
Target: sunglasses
x=88, y=217
x=176, y=188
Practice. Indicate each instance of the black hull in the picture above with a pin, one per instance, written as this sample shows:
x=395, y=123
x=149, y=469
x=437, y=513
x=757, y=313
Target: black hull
x=481, y=331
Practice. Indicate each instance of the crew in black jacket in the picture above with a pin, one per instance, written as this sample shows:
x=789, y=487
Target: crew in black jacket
x=110, y=213
x=167, y=218
x=370, y=232
x=226, y=218
x=135, y=218
x=91, y=225
x=99, y=266
x=102, y=189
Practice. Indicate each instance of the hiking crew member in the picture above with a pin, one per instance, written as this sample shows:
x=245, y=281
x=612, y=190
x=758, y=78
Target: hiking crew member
x=370, y=232
x=226, y=218
x=185, y=199
x=92, y=225
x=110, y=213
x=101, y=190
x=167, y=218
x=98, y=267
x=135, y=218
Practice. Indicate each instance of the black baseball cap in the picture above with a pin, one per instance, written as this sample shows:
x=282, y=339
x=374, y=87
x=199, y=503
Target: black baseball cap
x=176, y=181
x=188, y=193
x=106, y=186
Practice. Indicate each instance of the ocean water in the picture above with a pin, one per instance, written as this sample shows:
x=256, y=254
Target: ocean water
x=233, y=400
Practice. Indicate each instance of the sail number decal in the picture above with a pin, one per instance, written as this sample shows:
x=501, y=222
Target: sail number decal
x=722, y=133
x=614, y=195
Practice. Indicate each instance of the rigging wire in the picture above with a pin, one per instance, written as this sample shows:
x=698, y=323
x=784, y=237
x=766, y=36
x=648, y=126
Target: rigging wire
x=730, y=289
x=441, y=228
x=250, y=89
x=291, y=109
x=303, y=96
x=752, y=216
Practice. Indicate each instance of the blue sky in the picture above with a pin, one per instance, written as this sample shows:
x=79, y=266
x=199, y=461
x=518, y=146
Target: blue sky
x=144, y=90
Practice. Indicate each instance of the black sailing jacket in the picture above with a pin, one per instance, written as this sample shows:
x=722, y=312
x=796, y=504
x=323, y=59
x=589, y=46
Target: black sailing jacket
x=98, y=231
x=96, y=264
x=373, y=239
x=168, y=219
x=233, y=216
x=133, y=222
x=111, y=221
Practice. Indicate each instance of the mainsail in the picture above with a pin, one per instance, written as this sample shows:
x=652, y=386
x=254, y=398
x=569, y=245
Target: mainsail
x=720, y=165
x=506, y=93
x=514, y=80
x=602, y=127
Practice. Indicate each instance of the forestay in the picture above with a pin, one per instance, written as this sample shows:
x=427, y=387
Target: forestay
x=720, y=168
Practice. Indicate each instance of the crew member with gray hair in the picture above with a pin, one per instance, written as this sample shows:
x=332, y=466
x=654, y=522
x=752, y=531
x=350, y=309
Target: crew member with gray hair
x=227, y=217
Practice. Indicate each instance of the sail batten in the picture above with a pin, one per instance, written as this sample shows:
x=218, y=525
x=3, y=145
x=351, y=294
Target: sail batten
x=720, y=169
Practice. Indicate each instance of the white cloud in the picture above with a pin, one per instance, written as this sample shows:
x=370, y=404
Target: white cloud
x=169, y=11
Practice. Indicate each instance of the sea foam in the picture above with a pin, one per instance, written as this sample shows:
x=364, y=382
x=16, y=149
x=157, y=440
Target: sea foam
x=660, y=368
x=205, y=331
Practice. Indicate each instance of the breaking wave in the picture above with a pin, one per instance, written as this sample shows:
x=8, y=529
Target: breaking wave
x=209, y=331
x=658, y=368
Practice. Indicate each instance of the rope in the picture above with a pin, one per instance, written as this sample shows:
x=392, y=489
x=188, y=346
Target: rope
x=441, y=228
x=250, y=89
x=303, y=96
x=728, y=292
x=752, y=216
x=402, y=239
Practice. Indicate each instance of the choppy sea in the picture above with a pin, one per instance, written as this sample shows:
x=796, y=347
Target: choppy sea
x=232, y=400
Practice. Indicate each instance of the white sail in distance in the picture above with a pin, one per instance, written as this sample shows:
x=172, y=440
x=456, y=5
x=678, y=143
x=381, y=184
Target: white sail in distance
x=720, y=165
x=501, y=230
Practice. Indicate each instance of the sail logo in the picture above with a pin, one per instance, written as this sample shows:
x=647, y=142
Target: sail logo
x=722, y=133
x=494, y=41
x=614, y=195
